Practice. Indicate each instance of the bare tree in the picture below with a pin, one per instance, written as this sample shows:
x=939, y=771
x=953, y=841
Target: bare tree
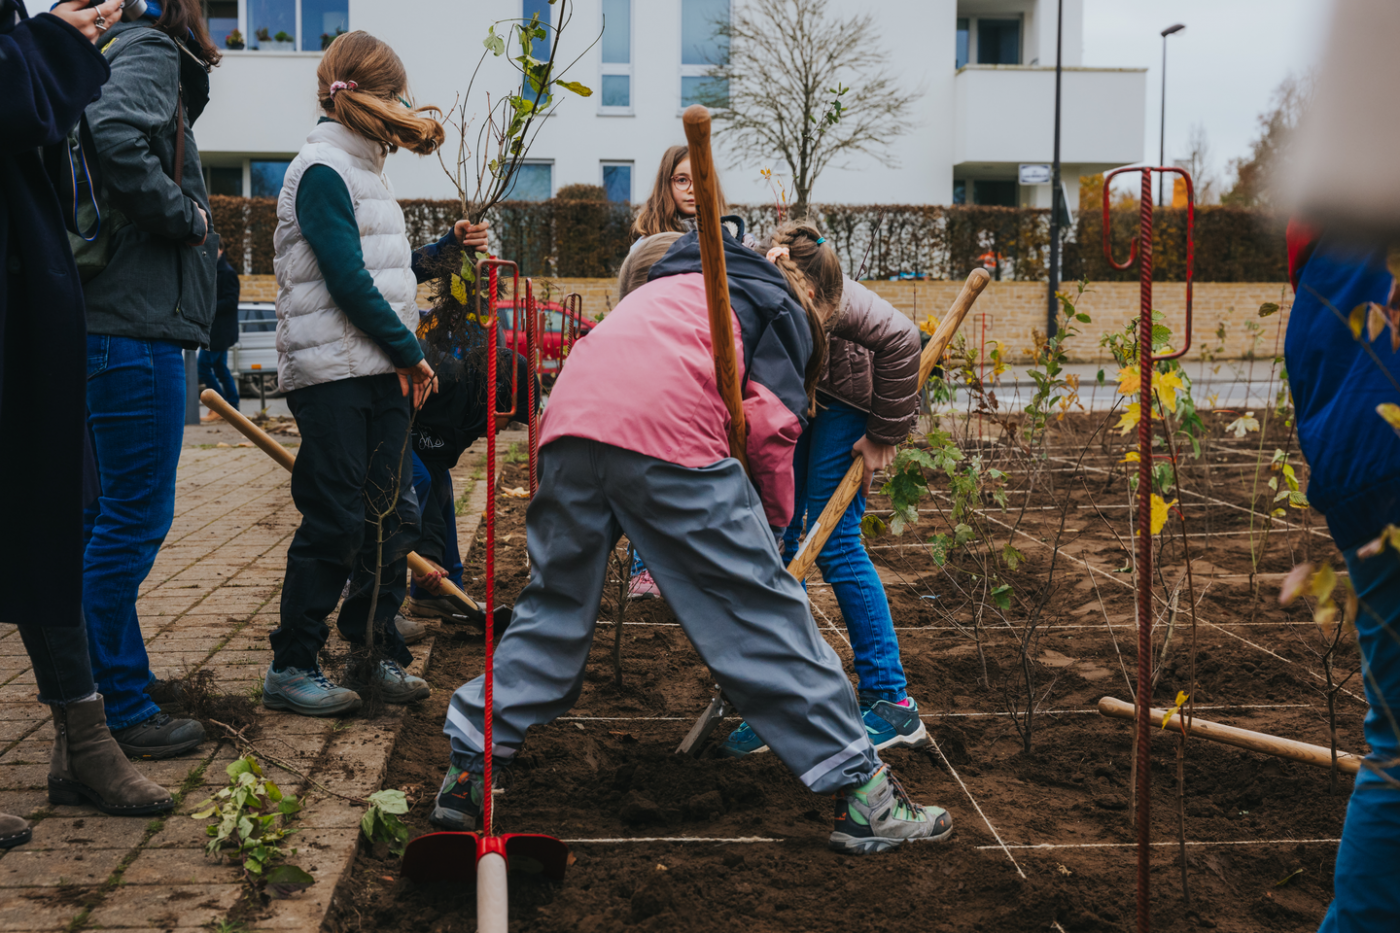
x=1254, y=173
x=782, y=90
x=1197, y=162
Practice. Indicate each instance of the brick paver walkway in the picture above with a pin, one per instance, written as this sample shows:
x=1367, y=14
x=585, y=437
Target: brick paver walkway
x=209, y=603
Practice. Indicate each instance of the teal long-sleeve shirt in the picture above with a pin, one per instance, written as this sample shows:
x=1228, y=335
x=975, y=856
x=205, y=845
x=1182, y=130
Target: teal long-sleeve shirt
x=327, y=219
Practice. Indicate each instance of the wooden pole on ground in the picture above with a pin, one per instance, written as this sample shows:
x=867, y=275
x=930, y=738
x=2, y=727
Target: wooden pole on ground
x=702, y=169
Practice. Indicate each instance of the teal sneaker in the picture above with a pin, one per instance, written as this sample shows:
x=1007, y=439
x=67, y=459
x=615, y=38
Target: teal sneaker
x=395, y=684
x=878, y=815
x=742, y=741
x=894, y=724
x=459, y=799
x=307, y=692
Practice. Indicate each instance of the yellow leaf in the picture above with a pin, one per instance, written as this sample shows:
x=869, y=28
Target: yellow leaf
x=1130, y=418
x=1129, y=381
x=1323, y=583
x=1132, y=457
x=459, y=289
x=1166, y=386
x=1391, y=413
x=1240, y=426
x=1294, y=584
x=1181, y=698
x=1161, y=509
x=1375, y=322
x=929, y=325
x=1357, y=320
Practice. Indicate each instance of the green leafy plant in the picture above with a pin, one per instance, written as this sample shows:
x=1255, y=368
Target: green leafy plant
x=381, y=821
x=250, y=824
x=1056, y=391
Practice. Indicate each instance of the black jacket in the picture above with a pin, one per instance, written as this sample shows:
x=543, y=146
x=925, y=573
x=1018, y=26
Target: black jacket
x=158, y=285
x=453, y=418
x=48, y=74
x=224, y=332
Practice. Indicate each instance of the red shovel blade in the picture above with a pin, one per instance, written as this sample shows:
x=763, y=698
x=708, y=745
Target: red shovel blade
x=452, y=856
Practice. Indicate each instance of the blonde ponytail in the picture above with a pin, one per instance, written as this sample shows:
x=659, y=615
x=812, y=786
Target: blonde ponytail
x=359, y=83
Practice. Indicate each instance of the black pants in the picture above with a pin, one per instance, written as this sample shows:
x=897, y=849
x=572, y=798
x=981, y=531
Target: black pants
x=354, y=463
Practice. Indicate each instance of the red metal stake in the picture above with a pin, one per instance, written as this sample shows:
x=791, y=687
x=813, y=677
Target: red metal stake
x=1141, y=249
x=532, y=357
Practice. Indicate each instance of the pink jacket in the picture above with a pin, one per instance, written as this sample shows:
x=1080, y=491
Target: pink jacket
x=644, y=380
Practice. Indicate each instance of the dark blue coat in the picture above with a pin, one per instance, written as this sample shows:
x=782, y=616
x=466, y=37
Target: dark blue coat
x=1353, y=455
x=49, y=73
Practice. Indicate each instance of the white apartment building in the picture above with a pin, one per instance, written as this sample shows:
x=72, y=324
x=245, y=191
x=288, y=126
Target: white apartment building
x=985, y=69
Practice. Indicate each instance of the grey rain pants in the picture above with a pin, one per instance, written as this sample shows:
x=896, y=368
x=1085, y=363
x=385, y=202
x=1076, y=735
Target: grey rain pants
x=710, y=550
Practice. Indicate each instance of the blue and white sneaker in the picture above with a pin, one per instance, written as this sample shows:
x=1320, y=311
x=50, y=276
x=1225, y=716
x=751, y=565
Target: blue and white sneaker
x=894, y=724
x=878, y=815
x=742, y=741
x=307, y=692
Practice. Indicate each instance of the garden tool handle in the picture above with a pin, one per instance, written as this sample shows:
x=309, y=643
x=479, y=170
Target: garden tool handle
x=836, y=506
x=702, y=169
x=1317, y=755
x=215, y=402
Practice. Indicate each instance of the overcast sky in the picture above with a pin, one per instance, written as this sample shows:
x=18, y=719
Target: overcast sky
x=1221, y=70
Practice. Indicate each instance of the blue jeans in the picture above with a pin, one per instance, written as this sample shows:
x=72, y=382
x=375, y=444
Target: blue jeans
x=1366, y=887
x=214, y=374
x=821, y=459
x=136, y=412
x=435, y=492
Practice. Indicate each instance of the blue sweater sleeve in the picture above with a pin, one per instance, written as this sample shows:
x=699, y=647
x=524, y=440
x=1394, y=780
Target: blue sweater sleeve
x=327, y=218
x=426, y=254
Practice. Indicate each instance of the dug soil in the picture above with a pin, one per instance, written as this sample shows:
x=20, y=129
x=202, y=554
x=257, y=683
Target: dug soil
x=1041, y=803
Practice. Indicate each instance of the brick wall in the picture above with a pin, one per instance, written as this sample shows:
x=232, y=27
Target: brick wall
x=1015, y=309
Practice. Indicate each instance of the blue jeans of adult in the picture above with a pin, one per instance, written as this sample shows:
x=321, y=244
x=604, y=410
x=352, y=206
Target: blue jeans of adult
x=1366, y=888
x=434, y=492
x=214, y=374
x=820, y=461
x=136, y=412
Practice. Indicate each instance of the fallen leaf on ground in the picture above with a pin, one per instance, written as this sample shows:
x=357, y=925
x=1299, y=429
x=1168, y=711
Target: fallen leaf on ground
x=517, y=493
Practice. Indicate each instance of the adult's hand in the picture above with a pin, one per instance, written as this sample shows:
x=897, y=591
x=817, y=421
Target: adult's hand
x=471, y=236
x=85, y=19
x=420, y=379
x=876, y=455
x=204, y=238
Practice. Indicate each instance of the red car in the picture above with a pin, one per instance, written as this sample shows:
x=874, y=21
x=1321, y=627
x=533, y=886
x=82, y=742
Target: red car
x=555, y=320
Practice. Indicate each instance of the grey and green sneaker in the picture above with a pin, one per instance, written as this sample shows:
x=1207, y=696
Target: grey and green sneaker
x=878, y=815
x=395, y=684
x=307, y=692
x=459, y=799
x=894, y=724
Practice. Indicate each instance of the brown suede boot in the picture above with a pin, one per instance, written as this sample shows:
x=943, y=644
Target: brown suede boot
x=88, y=765
x=13, y=831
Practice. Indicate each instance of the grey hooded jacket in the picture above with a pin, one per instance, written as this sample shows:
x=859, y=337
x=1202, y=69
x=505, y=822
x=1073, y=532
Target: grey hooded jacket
x=873, y=363
x=159, y=283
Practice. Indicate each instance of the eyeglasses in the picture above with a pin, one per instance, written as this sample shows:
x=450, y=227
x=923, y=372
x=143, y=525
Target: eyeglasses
x=684, y=182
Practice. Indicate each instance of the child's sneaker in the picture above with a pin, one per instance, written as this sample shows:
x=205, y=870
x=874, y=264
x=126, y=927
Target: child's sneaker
x=894, y=724
x=643, y=587
x=878, y=815
x=742, y=741
x=430, y=607
x=458, y=801
x=412, y=632
x=395, y=684
x=307, y=692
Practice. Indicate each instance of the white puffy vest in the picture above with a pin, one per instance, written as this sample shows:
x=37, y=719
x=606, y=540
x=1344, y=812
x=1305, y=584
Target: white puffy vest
x=315, y=340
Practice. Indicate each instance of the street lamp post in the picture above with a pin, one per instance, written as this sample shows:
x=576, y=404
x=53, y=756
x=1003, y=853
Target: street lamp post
x=1054, y=309
x=1162, y=138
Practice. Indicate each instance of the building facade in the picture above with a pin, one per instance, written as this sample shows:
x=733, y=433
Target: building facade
x=985, y=70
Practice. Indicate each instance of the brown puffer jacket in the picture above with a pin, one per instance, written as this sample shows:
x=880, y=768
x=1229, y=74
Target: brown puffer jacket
x=873, y=363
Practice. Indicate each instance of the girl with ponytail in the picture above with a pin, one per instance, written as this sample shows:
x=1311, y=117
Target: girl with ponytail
x=348, y=361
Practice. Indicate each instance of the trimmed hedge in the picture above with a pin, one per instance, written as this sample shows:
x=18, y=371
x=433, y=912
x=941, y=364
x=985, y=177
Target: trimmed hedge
x=590, y=238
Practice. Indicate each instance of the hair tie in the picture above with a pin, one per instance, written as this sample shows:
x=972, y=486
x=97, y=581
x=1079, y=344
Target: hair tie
x=777, y=251
x=821, y=240
x=342, y=86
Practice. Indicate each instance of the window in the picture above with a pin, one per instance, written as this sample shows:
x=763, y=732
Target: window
x=617, y=180
x=224, y=179
x=962, y=41
x=617, y=56
x=534, y=181
x=281, y=25
x=539, y=48
x=702, y=47
x=266, y=177
x=994, y=193
x=959, y=191
x=998, y=41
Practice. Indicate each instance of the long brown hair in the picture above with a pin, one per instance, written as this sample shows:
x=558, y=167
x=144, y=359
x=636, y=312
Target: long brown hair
x=810, y=263
x=183, y=21
x=659, y=214
x=372, y=107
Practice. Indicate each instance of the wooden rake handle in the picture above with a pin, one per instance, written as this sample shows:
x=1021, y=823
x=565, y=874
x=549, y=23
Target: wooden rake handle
x=836, y=506
x=702, y=169
x=1317, y=755
x=215, y=402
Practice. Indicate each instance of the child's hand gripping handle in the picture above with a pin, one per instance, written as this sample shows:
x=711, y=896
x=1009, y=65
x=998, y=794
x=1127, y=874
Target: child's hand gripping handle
x=836, y=506
x=702, y=169
x=215, y=402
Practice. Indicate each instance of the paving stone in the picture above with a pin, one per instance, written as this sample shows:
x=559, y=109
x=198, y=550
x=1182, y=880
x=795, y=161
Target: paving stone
x=25, y=866
x=19, y=693
x=98, y=831
x=23, y=803
x=180, y=866
x=23, y=777
x=14, y=729
x=35, y=909
x=17, y=711
x=177, y=906
x=28, y=751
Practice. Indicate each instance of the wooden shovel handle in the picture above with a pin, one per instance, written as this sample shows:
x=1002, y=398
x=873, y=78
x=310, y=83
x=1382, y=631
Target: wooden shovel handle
x=702, y=169
x=1317, y=755
x=216, y=402
x=836, y=506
